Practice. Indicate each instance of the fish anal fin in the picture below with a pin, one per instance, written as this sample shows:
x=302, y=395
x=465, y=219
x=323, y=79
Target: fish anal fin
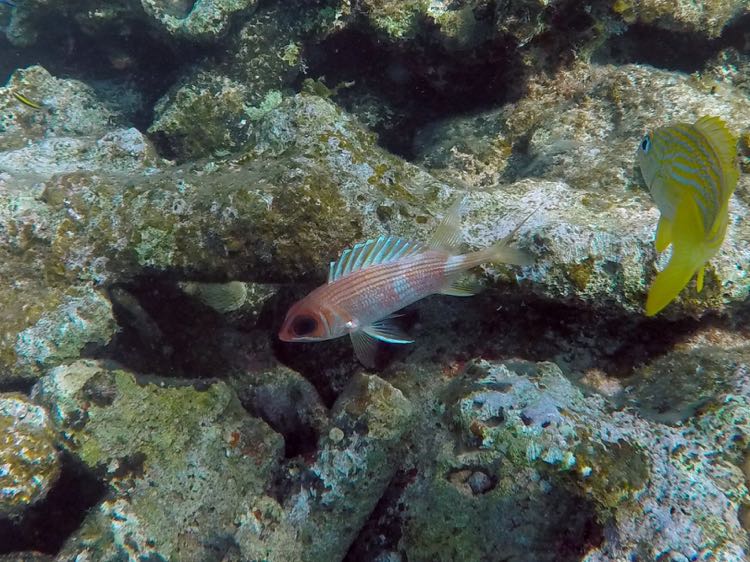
x=466, y=286
x=448, y=235
x=687, y=257
x=365, y=348
x=663, y=234
x=387, y=331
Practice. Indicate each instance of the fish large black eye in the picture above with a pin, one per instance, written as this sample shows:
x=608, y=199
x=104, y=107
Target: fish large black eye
x=304, y=325
x=645, y=144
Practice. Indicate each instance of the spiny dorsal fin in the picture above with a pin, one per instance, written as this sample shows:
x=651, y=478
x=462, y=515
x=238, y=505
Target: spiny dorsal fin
x=448, y=234
x=373, y=252
x=724, y=143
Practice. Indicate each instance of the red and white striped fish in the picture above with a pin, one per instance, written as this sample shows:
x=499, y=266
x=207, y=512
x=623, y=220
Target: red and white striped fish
x=374, y=279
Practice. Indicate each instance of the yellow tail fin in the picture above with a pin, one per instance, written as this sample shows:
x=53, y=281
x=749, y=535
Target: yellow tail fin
x=688, y=256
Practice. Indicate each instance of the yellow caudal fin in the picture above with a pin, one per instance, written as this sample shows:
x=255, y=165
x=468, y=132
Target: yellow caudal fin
x=688, y=256
x=663, y=234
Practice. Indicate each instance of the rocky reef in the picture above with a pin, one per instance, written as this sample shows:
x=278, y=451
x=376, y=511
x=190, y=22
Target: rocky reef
x=164, y=202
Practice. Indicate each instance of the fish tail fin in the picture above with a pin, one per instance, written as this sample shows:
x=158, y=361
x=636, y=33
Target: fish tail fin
x=689, y=255
x=499, y=252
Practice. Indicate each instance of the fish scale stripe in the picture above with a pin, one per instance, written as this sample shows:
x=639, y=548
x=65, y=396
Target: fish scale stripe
x=356, y=287
x=696, y=141
x=703, y=179
x=685, y=144
x=699, y=190
x=360, y=285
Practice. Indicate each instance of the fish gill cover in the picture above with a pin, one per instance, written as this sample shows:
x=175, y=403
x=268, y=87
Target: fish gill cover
x=174, y=175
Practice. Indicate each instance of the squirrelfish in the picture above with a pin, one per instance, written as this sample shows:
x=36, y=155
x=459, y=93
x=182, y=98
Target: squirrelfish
x=691, y=172
x=373, y=279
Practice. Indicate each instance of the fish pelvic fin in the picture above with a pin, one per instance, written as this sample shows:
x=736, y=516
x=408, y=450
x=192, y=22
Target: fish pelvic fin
x=385, y=330
x=365, y=341
x=365, y=348
x=448, y=235
x=689, y=255
x=663, y=234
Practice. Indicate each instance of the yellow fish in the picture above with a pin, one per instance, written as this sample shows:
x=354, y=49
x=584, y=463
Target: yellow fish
x=691, y=172
x=26, y=101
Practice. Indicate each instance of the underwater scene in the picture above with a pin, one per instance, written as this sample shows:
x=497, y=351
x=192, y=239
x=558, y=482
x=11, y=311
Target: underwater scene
x=374, y=280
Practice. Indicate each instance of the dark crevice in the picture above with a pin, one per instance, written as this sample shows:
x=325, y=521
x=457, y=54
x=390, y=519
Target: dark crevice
x=382, y=530
x=45, y=526
x=671, y=50
x=417, y=85
x=164, y=331
x=8, y=383
x=497, y=327
x=130, y=70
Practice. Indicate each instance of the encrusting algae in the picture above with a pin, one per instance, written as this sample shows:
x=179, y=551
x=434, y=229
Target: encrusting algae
x=691, y=172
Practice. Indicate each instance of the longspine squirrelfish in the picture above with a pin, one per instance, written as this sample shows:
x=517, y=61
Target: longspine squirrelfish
x=691, y=172
x=374, y=279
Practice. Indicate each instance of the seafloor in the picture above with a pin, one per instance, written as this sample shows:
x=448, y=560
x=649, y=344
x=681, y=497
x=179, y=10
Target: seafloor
x=174, y=174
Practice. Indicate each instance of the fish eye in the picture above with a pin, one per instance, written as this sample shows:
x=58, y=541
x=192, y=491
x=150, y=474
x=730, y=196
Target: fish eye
x=304, y=325
x=646, y=143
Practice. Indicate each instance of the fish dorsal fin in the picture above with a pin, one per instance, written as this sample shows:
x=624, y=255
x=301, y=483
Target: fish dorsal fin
x=448, y=234
x=377, y=251
x=724, y=144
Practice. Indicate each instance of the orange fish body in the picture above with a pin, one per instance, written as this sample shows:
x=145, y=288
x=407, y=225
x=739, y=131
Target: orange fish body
x=374, y=279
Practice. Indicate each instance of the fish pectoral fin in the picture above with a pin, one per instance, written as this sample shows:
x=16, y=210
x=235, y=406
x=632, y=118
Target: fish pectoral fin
x=467, y=286
x=448, y=234
x=687, y=258
x=365, y=348
x=385, y=330
x=663, y=234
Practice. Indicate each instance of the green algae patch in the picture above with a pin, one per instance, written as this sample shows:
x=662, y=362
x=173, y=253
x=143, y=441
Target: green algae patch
x=155, y=248
x=612, y=474
x=580, y=273
x=142, y=420
x=175, y=457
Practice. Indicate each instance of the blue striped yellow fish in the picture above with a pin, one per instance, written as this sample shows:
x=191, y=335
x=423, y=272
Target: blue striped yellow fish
x=691, y=172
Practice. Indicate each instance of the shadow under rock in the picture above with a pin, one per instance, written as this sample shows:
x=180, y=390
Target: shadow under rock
x=671, y=50
x=396, y=90
x=45, y=526
x=495, y=326
x=165, y=332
